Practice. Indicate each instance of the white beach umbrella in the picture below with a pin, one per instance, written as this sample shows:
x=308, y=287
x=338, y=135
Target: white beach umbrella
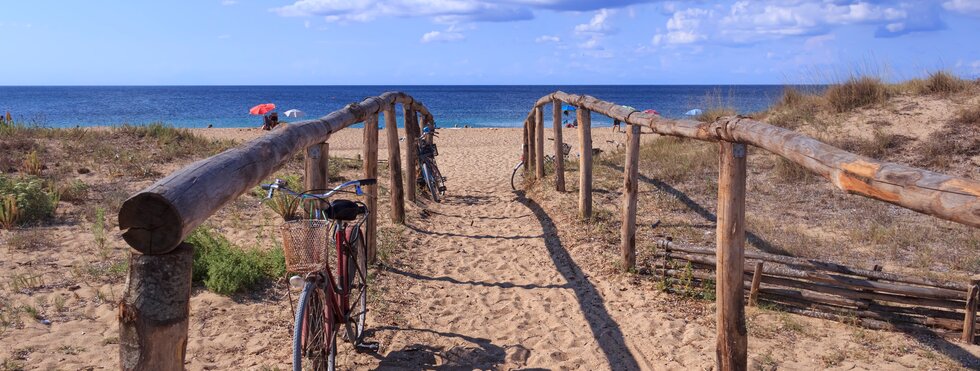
x=693, y=112
x=294, y=113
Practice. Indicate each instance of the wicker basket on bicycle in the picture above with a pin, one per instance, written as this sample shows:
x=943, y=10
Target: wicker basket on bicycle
x=305, y=244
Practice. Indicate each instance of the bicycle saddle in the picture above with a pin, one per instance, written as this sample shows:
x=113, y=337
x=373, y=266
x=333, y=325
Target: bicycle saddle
x=344, y=210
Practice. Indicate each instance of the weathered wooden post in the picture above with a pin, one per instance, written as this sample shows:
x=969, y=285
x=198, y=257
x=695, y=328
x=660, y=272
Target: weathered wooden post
x=411, y=151
x=630, y=188
x=316, y=167
x=526, y=149
x=539, y=143
x=394, y=167
x=756, y=281
x=559, y=154
x=532, y=150
x=370, y=156
x=153, y=314
x=584, y=162
x=732, y=342
x=970, y=317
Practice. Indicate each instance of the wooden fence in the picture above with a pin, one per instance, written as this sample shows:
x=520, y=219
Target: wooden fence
x=153, y=314
x=943, y=196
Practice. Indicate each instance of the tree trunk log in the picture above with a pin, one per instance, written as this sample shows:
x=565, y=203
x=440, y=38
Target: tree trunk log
x=539, y=143
x=970, y=319
x=162, y=215
x=559, y=153
x=153, y=314
x=532, y=150
x=394, y=167
x=370, y=150
x=630, y=187
x=585, y=162
x=732, y=341
x=316, y=168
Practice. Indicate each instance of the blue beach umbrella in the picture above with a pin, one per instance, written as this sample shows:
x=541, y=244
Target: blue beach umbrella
x=567, y=107
x=693, y=112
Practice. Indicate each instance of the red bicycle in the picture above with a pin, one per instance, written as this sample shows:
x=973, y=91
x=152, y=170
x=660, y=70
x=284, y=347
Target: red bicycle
x=333, y=298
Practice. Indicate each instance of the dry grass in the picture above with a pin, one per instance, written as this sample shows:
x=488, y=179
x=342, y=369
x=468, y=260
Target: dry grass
x=856, y=92
x=881, y=144
x=943, y=83
x=797, y=108
x=955, y=140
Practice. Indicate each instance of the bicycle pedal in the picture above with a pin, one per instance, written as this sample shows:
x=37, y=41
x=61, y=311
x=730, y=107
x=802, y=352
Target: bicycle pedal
x=367, y=347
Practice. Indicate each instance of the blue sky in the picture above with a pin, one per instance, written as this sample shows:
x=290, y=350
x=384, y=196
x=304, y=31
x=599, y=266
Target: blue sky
x=325, y=42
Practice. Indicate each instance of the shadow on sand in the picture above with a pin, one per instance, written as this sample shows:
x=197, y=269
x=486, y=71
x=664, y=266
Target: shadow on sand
x=605, y=330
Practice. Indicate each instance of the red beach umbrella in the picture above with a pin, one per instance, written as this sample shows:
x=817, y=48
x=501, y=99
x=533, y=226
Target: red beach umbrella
x=652, y=111
x=262, y=109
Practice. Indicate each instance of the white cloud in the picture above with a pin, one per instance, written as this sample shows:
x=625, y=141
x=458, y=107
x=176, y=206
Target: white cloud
x=970, y=7
x=747, y=22
x=442, y=36
x=599, y=24
x=228, y=2
x=547, y=39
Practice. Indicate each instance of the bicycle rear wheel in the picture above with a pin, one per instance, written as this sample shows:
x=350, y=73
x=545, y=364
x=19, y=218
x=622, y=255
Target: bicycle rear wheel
x=358, y=284
x=430, y=182
x=517, y=177
x=313, y=332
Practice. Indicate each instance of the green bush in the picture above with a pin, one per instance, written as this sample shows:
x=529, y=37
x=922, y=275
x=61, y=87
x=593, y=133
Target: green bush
x=34, y=202
x=226, y=268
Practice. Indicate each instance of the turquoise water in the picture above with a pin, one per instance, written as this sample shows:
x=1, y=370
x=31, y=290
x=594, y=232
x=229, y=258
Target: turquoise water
x=227, y=106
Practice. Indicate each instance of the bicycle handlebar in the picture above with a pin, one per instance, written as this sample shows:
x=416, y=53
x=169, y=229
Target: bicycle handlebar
x=281, y=185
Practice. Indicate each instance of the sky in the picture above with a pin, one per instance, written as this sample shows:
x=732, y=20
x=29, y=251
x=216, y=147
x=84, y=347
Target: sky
x=461, y=42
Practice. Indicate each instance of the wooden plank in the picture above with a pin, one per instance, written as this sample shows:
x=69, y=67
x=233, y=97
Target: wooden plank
x=370, y=158
x=756, y=280
x=559, y=154
x=800, y=263
x=526, y=149
x=630, y=188
x=970, y=319
x=731, y=348
x=412, y=134
x=159, y=217
x=585, y=162
x=943, y=196
x=154, y=311
x=394, y=167
x=539, y=143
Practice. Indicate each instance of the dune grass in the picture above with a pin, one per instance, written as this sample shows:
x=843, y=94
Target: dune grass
x=225, y=268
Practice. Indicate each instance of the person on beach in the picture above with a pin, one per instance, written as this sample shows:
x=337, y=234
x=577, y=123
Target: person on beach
x=270, y=121
x=570, y=123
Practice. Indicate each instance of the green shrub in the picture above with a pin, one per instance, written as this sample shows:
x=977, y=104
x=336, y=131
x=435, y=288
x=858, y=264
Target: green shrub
x=34, y=202
x=226, y=268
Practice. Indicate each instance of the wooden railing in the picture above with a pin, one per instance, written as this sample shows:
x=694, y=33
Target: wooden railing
x=153, y=314
x=943, y=196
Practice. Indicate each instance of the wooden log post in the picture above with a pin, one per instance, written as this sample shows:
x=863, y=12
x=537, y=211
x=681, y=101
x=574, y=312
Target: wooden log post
x=316, y=168
x=412, y=134
x=532, y=150
x=525, y=148
x=970, y=318
x=559, y=154
x=630, y=188
x=394, y=167
x=539, y=143
x=153, y=314
x=732, y=342
x=585, y=162
x=756, y=281
x=370, y=157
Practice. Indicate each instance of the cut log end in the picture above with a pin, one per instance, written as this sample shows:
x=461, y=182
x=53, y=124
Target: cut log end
x=152, y=225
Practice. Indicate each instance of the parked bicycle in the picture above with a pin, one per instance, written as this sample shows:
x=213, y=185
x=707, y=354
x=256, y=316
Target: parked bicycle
x=517, y=176
x=429, y=174
x=334, y=297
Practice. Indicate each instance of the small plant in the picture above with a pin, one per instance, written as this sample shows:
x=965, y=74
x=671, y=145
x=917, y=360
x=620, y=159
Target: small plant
x=98, y=233
x=73, y=191
x=32, y=164
x=59, y=303
x=34, y=202
x=943, y=83
x=856, y=92
x=283, y=204
x=31, y=311
x=9, y=213
x=226, y=269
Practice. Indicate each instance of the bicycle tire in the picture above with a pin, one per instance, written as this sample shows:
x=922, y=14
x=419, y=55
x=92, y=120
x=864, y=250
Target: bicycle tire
x=430, y=183
x=514, y=177
x=358, y=283
x=311, y=330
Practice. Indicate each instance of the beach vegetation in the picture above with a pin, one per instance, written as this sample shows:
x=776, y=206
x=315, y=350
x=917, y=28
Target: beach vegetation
x=943, y=83
x=29, y=239
x=856, y=92
x=74, y=190
x=32, y=164
x=226, y=268
x=33, y=201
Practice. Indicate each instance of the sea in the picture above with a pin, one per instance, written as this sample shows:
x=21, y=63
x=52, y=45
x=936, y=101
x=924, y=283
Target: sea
x=452, y=106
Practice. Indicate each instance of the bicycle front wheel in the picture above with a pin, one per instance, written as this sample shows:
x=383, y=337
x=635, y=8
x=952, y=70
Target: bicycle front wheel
x=430, y=182
x=517, y=177
x=357, y=273
x=313, y=332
